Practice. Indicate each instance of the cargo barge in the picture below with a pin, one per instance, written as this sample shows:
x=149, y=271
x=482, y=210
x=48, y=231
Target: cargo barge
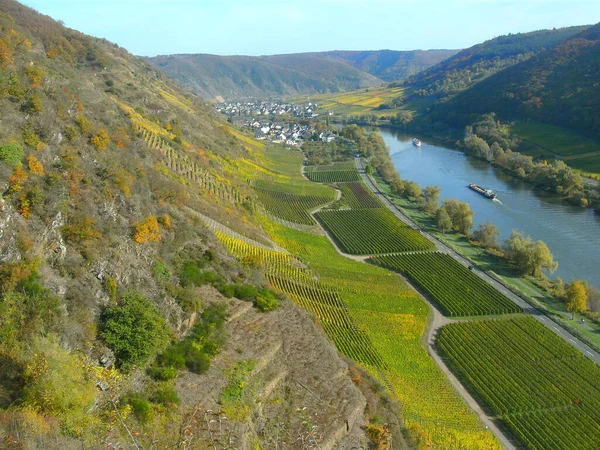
x=488, y=193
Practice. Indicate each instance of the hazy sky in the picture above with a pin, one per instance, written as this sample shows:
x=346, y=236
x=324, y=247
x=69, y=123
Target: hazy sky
x=260, y=27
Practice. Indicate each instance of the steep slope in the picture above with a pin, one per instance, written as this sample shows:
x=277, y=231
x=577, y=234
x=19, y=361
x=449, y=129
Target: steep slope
x=114, y=182
x=249, y=76
x=474, y=64
x=391, y=65
x=559, y=86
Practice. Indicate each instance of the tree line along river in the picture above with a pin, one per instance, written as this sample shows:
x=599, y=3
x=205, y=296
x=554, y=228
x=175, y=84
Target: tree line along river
x=571, y=233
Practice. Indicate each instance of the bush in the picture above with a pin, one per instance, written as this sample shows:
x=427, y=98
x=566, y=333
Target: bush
x=195, y=351
x=246, y=292
x=193, y=274
x=166, y=395
x=266, y=300
x=12, y=154
x=142, y=409
x=134, y=329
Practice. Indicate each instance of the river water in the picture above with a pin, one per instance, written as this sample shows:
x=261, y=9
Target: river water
x=571, y=233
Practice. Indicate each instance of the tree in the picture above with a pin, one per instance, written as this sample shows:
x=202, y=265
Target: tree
x=576, y=297
x=486, y=234
x=460, y=214
x=528, y=257
x=412, y=190
x=442, y=220
x=134, y=329
x=431, y=194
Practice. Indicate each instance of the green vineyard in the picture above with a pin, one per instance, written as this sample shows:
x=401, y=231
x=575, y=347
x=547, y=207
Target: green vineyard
x=358, y=196
x=456, y=290
x=546, y=393
x=334, y=176
x=291, y=207
x=372, y=231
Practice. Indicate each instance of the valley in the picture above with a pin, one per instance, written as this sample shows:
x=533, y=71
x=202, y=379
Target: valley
x=246, y=252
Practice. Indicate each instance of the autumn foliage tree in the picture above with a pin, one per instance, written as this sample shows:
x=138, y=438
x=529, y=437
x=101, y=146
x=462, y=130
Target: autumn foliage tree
x=147, y=231
x=576, y=297
x=35, y=166
x=101, y=139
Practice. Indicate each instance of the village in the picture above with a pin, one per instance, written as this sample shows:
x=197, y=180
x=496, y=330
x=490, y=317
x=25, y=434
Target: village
x=292, y=133
x=267, y=108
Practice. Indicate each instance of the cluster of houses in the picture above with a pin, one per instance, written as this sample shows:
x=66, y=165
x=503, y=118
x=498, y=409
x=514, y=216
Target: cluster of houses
x=290, y=134
x=267, y=108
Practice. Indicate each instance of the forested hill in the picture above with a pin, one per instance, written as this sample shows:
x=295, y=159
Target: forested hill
x=559, y=86
x=256, y=76
x=391, y=65
x=470, y=66
x=300, y=73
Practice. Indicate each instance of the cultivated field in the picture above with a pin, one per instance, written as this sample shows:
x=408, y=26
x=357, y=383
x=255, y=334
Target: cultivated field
x=545, y=391
x=455, y=289
x=372, y=231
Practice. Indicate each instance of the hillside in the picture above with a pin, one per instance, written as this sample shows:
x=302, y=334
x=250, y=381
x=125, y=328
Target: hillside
x=301, y=73
x=390, y=65
x=125, y=321
x=470, y=66
x=269, y=76
x=558, y=86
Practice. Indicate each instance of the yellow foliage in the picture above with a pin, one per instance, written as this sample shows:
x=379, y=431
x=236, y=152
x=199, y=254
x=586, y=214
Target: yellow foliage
x=35, y=166
x=101, y=139
x=148, y=230
x=84, y=124
x=5, y=53
x=24, y=206
x=17, y=179
x=165, y=220
x=36, y=75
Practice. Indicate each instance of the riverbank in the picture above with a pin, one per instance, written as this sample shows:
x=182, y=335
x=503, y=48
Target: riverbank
x=542, y=302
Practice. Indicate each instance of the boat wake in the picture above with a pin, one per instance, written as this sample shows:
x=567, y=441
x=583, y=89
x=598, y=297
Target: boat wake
x=497, y=201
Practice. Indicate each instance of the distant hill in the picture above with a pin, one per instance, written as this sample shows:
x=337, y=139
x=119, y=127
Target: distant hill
x=262, y=76
x=391, y=65
x=559, y=86
x=301, y=73
x=470, y=66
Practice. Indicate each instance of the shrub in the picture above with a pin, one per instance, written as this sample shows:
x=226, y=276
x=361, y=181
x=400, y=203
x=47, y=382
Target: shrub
x=35, y=166
x=246, y=292
x=101, y=139
x=162, y=274
x=166, y=395
x=12, y=154
x=193, y=274
x=148, y=230
x=194, y=351
x=142, y=409
x=266, y=300
x=134, y=329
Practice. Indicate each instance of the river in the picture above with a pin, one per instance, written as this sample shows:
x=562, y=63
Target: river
x=571, y=233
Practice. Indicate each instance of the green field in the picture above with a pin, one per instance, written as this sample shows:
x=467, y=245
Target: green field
x=455, y=289
x=546, y=141
x=546, y=393
x=372, y=231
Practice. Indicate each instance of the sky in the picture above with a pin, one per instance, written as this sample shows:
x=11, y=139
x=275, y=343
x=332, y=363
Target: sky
x=264, y=27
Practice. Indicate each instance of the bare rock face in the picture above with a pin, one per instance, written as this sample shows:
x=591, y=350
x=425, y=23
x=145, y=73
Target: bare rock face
x=301, y=394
